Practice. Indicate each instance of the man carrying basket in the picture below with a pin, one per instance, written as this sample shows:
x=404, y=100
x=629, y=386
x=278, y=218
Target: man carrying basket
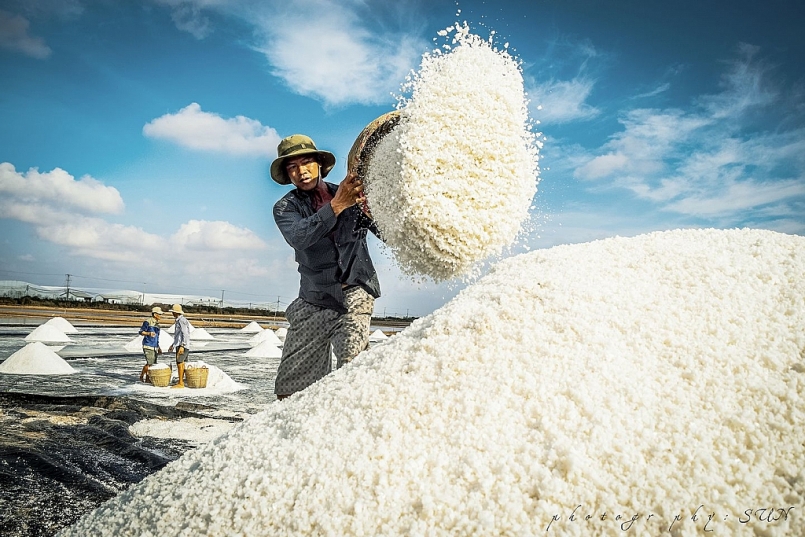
x=326, y=226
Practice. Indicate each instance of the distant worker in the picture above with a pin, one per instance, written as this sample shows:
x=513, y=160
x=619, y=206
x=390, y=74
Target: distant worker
x=150, y=332
x=181, y=342
x=327, y=229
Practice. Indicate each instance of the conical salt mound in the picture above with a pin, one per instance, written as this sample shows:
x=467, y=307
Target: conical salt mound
x=266, y=336
x=265, y=349
x=377, y=335
x=281, y=332
x=36, y=359
x=47, y=334
x=62, y=324
x=252, y=327
x=626, y=377
x=200, y=334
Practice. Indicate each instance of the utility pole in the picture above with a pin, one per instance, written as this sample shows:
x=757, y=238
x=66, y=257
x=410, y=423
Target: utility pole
x=67, y=284
x=277, y=311
x=222, y=299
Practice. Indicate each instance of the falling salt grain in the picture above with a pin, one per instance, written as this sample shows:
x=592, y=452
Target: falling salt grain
x=452, y=183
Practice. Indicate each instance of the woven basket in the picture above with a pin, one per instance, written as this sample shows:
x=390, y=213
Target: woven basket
x=196, y=377
x=367, y=140
x=160, y=377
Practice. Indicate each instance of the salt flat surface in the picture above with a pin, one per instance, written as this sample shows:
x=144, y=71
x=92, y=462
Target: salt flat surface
x=199, y=430
x=218, y=383
x=625, y=379
x=36, y=359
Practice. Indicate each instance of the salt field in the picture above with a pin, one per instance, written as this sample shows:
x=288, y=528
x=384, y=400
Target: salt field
x=652, y=384
x=111, y=365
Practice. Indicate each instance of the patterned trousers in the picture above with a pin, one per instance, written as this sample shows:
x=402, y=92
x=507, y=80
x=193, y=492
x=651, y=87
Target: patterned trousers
x=312, y=329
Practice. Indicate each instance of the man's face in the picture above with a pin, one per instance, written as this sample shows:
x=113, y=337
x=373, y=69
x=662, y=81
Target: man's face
x=303, y=171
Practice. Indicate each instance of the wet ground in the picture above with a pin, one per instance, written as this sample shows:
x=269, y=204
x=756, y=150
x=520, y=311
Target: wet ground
x=66, y=446
x=65, y=442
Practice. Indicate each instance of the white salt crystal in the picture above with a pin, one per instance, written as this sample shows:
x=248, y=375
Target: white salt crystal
x=452, y=183
x=646, y=375
x=36, y=359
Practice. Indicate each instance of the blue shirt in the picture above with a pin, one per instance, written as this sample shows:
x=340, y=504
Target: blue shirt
x=150, y=325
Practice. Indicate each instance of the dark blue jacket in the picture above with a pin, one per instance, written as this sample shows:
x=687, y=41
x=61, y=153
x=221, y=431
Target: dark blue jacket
x=150, y=325
x=330, y=251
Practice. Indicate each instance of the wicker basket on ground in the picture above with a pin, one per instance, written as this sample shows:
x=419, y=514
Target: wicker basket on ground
x=160, y=377
x=196, y=377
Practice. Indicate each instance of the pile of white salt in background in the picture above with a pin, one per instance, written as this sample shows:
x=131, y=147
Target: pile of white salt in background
x=452, y=183
x=628, y=377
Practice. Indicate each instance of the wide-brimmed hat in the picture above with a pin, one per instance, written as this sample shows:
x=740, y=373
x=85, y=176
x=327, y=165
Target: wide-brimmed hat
x=295, y=146
x=157, y=309
x=177, y=308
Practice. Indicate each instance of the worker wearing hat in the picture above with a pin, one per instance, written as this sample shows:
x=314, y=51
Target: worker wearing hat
x=181, y=342
x=326, y=226
x=150, y=332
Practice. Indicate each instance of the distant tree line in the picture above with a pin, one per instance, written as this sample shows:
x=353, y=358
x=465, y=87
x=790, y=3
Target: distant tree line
x=62, y=303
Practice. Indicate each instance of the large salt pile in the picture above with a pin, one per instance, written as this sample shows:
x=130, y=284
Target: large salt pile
x=646, y=386
x=452, y=183
x=62, y=324
x=46, y=333
x=36, y=359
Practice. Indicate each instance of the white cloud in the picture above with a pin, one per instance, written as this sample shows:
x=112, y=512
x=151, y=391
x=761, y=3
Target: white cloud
x=345, y=63
x=193, y=128
x=326, y=49
x=204, y=235
x=705, y=162
x=562, y=101
x=14, y=36
x=57, y=190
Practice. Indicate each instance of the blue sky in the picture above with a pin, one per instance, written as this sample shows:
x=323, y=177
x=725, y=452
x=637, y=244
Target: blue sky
x=136, y=135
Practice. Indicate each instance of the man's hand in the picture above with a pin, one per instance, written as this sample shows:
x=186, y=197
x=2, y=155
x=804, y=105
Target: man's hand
x=349, y=192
